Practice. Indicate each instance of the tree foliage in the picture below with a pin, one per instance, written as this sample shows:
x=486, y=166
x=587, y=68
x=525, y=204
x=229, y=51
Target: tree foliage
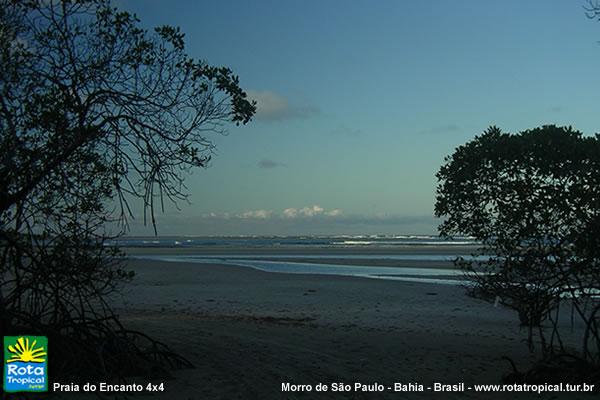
x=533, y=200
x=95, y=112
x=592, y=9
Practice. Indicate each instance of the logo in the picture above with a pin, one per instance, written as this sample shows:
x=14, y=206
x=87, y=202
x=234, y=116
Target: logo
x=25, y=364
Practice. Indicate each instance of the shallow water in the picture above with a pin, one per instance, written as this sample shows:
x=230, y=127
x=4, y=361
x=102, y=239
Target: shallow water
x=384, y=257
x=407, y=274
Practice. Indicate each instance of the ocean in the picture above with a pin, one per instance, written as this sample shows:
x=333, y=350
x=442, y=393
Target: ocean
x=300, y=241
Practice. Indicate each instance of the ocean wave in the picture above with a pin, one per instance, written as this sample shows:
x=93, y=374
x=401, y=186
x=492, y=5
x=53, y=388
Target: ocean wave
x=292, y=241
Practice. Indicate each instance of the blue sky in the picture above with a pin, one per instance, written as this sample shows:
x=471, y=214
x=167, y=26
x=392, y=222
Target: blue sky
x=360, y=101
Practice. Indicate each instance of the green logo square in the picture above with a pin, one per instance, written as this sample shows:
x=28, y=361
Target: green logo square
x=25, y=364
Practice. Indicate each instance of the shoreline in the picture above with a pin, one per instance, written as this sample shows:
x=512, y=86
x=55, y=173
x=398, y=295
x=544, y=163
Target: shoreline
x=364, y=256
x=247, y=331
x=358, y=262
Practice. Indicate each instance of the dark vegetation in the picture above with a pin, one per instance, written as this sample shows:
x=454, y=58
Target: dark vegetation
x=533, y=200
x=96, y=114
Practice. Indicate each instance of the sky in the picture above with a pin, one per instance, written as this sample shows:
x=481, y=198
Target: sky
x=360, y=101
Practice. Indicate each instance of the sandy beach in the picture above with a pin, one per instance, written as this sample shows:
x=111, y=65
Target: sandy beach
x=248, y=331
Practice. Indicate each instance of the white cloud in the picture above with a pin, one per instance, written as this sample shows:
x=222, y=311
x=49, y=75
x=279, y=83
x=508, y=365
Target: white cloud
x=290, y=213
x=334, y=213
x=327, y=222
x=217, y=215
x=256, y=214
x=271, y=106
x=309, y=212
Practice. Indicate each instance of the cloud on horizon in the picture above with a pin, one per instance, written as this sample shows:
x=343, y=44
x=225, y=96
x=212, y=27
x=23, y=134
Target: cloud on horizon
x=271, y=106
x=309, y=212
x=287, y=213
x=256, y=214
x=289, y=221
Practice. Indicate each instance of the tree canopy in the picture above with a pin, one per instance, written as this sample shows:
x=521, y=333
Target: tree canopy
x=540, y=184
x=81, y=77
x=95, y=112
x=533, y=200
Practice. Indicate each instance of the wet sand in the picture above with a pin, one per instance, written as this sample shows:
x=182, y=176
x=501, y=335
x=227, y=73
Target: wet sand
x=248, y=331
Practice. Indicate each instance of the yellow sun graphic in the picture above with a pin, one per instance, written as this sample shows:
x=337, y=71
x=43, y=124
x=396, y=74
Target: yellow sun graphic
x=23, y=351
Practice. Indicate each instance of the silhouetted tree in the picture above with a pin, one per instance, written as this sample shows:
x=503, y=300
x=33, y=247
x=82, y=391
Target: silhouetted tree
x=533, y=200
x=592, y=9
x=94, y=113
